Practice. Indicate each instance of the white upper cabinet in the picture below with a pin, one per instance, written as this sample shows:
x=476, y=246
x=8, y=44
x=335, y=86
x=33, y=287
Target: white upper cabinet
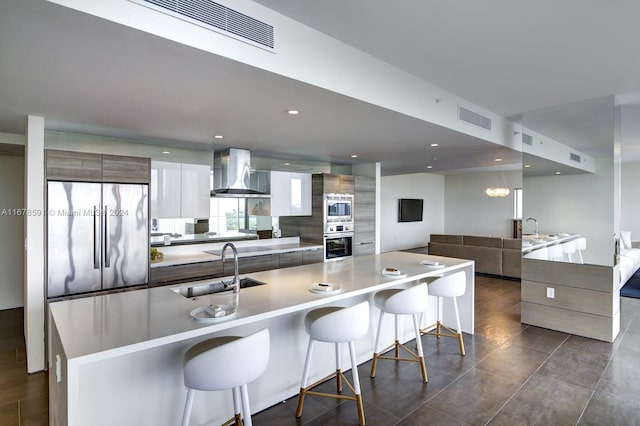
x=290, y=194
x=300, y=194
x=179, y=190
x=195, y=190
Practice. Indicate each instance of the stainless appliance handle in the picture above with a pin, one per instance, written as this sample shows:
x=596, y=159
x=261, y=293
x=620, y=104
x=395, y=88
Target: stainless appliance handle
x=96, y=238
x=107, y=239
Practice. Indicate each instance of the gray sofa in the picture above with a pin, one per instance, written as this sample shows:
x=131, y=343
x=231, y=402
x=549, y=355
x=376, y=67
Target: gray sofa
x=492, y=255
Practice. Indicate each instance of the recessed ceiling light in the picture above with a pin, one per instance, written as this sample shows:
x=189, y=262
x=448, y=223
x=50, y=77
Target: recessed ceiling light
x=287, y=164
x=218, y=137
x=166, y=152
x=558, y=173
x=497, y=159
x=433, y=144
x=354, y=155
x=293, y=112
x=527, y=165
x=429, y=167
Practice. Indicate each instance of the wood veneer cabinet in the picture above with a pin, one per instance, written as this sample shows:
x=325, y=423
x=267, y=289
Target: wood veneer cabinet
x=91, y=167
x=336, y=184
x=315, y=255
x=290, y=258
x=572, y=298
x=364, y=214
x=175, y=274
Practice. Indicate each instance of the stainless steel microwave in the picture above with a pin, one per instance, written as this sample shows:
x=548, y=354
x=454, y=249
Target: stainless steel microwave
x=338, y=208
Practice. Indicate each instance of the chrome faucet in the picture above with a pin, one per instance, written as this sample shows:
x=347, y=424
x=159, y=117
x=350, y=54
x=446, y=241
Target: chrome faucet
x=534, y=221
x=235, y=284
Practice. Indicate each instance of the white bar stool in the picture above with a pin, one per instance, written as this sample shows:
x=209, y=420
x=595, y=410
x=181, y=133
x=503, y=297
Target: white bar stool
x=555, y=252
x=569, y=249
x=222, y=363
x=539, y=254
x=335, y=325
x=453, y=285
x=411, y=301
x=581, y=245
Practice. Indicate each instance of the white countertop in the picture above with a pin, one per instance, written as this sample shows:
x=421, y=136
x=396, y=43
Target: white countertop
x=106, y=326
x=194, y=253
x=530, y=242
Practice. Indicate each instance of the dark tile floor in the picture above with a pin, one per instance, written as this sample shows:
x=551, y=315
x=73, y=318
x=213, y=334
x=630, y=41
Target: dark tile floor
x=513, y=374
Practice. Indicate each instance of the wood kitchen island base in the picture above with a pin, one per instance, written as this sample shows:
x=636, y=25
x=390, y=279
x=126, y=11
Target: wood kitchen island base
x=117, y=359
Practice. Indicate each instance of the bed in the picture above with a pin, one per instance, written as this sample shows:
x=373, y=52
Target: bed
x=629, y=257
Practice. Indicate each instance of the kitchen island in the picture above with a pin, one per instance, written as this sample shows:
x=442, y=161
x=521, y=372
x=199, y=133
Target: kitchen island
x=117, y=358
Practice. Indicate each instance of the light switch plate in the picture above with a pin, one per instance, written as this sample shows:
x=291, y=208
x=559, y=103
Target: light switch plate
x=551, y=292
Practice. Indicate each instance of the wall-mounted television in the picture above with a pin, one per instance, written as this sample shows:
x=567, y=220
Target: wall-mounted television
x=410, y=209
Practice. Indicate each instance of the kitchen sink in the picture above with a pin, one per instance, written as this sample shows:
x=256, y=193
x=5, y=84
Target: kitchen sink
x=212, y=287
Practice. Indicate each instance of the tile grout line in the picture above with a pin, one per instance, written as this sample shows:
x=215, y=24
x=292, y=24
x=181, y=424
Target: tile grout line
x=450, y=384
x=528, y=379
x=593, y=392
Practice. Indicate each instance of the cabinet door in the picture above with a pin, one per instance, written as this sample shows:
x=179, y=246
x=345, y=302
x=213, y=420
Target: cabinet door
x=300, y=194
x=280, y=194
x=165, y=189
x=121, y=169
x=175, y=274
x=195, y=192
x=331, y=184
x=249, y=264
x=315, y=255
x=73, y=166
x=290, y=258
x=347, y=185
x=364, y=215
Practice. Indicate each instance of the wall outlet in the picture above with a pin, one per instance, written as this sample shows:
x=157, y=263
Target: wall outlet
x=551, y=292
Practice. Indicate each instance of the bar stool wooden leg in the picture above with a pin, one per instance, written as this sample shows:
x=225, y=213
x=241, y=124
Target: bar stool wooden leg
x=338, y=369
x=356, y=382
x=423, y=367
x=459, y=329
x=237, y=407
x=305, y=378
x=374, y=363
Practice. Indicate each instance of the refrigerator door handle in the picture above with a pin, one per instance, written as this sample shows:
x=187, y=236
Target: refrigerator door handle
x=96, y=238
x=107, y=260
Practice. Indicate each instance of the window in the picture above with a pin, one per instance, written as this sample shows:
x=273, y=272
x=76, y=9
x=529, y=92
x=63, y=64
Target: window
x=517, y=203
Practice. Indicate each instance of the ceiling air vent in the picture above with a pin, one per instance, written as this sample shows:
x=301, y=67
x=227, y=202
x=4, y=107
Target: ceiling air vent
x=216, y=17
x=474, y=118
x=574, y=157
x=527, y=139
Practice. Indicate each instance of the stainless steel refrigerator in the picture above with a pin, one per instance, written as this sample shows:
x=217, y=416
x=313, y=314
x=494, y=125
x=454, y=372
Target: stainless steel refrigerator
x=97, y=237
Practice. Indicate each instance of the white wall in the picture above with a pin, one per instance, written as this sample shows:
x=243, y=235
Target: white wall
x=12, y=231
x=581, y=204
x=630, y=199
x=398, y=236
x=34, y=272
x=469, y=211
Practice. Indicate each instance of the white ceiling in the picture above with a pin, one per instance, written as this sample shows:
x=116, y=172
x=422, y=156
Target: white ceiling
x=88, y=75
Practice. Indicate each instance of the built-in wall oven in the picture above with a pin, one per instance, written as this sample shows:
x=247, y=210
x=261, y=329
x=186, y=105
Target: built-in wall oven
x=338, y=245
x=338, y=226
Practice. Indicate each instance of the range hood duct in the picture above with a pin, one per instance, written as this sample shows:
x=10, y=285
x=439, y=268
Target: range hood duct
x=232, y=174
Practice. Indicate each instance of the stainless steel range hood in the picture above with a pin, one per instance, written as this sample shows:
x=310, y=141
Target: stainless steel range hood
x=232, y=174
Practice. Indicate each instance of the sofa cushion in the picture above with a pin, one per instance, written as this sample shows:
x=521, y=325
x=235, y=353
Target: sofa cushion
x=512, y=243
x=469, y=240
x=448, y=250
x=446, y=238
x=512, y=263
x=488, y=259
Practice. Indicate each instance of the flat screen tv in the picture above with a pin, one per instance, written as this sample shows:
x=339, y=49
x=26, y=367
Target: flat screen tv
x=410, y=210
